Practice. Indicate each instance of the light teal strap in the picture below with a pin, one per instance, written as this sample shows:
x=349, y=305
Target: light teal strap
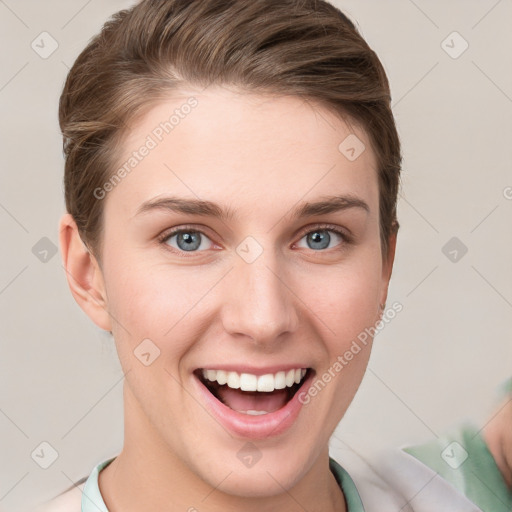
x=92, y=500
x=463, y=459
x=354, y=503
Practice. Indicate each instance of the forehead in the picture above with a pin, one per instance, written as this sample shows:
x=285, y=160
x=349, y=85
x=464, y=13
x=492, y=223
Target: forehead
x=225, y=145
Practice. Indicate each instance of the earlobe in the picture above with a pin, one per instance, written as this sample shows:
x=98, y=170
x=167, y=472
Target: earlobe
x=387, y=268
x=84, y=275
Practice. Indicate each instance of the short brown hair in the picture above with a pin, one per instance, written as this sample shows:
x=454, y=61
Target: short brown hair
x=307, y=48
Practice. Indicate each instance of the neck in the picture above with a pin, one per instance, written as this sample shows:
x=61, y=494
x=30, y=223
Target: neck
x=147, y=475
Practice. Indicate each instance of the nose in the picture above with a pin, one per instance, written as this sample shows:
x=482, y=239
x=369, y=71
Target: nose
x=260, y=304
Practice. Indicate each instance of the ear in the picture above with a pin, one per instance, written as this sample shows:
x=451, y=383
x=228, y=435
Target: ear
x=387, y=266
x=84, y=275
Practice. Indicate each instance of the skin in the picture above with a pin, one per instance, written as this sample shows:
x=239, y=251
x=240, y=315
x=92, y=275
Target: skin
x=259, y=156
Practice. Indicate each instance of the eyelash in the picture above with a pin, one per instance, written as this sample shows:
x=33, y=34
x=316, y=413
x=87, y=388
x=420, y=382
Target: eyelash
x=164, y=237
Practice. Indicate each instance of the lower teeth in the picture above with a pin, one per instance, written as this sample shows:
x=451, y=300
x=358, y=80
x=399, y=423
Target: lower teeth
x=254, y=413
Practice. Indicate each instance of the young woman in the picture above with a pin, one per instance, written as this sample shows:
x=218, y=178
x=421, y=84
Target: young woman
x=231, y=178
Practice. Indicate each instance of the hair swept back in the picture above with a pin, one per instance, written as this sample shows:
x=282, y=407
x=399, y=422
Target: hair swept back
x=307, y=48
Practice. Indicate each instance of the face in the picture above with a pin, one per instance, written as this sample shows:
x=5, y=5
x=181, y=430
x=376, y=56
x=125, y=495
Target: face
x=243, y=246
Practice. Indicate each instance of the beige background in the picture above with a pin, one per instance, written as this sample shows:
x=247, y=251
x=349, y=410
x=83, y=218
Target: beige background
x=441, y=359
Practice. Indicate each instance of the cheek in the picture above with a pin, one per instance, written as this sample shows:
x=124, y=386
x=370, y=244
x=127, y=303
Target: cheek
x=156, y=302
x=344, y=308
x=152, y=307
x=345, y=300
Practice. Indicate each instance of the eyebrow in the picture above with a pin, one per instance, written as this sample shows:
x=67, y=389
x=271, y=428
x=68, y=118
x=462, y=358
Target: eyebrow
x=326, y=204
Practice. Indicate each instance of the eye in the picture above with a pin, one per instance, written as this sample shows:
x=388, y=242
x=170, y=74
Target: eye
x=321, y=238
x=190, y=239
x=187, y=240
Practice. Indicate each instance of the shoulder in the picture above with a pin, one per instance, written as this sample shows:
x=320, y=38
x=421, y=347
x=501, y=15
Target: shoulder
x=422, y=487
x=457, y=465
x=376, y=494
x=432, y=476
x=68, y=501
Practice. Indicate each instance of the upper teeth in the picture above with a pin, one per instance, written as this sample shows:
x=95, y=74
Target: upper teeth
x=250, y=382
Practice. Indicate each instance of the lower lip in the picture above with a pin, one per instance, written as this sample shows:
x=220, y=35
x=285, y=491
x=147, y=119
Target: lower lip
x=255, y=427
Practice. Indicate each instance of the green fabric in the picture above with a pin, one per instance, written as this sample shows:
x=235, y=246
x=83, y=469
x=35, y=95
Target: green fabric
x=506, y=389
x=354, y=503
x=463, y=459
x=92, y=500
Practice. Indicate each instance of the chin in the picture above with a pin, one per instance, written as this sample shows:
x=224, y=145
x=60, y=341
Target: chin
x=262, y=482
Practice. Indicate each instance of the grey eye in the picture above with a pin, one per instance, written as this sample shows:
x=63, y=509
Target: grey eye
x=188, y=240
x=320, y=239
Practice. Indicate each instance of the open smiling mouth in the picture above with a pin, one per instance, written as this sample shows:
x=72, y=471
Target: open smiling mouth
x=253, y=394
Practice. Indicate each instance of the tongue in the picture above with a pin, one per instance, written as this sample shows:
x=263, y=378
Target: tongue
x=243, y=401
